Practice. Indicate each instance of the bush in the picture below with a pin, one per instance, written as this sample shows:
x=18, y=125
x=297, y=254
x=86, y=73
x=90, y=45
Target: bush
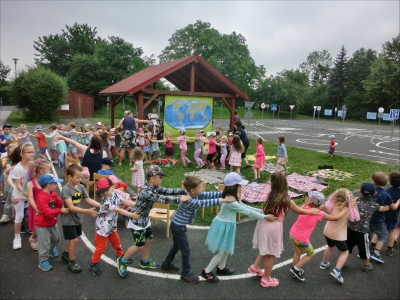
x=39, y=93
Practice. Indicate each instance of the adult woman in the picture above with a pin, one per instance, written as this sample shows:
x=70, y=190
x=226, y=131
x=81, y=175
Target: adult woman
x=92, y=154
x=244, y=139
x=128, y=135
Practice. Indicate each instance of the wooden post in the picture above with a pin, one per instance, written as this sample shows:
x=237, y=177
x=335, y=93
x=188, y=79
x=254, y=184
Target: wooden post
x=192, y=74
x=232, y=109
x=112, y=105
x=140, y=105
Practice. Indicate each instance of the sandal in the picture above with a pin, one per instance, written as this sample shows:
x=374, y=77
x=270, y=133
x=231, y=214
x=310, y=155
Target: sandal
x=256, y=271
x=272, y=282
x=34, y=243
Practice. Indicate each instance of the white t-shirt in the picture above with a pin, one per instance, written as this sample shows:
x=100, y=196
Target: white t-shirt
x=19, y=173
x=106, y=221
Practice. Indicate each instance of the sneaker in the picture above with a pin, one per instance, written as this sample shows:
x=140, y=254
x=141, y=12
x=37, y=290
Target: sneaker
x=366, y=269
x=191, y=278
x=150, y=264
x=54, y=253
x=297, y=274
x=74, y=267
x=95, y=268
x=225, y=271
x=371, y=249
x=55, y=162
x=129, y=260
x=4, y=219
x=65, y=257
x=17, y=244
x=255, y=180
x=210, y=277
x=171, y=267
x=1, y=194
x=377, y=257
x=302, y=273
x=390, y=252
x=3, y=201
x=324, y=265
x=45, y=266
x=122, y=267
x=337, y=275
x=24, y=229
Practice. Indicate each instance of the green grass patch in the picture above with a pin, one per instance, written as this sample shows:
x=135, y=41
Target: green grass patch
x=300, y=161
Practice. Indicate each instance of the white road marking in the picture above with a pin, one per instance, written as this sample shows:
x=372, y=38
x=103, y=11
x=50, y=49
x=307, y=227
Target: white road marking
x=379, y=145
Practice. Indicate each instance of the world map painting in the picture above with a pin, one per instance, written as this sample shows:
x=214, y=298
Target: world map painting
x=190, y=114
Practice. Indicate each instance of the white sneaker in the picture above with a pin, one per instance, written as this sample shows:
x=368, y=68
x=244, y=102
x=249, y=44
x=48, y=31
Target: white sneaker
x=17, y=244
x=55, y=162
x=4, y=219
x=1, y=194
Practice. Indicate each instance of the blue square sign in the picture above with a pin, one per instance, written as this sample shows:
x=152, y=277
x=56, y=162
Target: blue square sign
x=394, y=114
x=274, y=106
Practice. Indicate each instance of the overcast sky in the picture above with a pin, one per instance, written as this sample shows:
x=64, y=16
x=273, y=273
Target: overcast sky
x=279, y=35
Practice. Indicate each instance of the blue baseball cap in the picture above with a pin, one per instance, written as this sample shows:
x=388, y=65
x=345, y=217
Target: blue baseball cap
x=107, y=161
x=368, y=189
x=46, y=179
x=233, y=178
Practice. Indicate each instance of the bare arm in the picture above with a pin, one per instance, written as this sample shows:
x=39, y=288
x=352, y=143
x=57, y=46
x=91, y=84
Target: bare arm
x=294, y=208
x=142, y=121
x=92, y=202
x=89, y=211
x=337, y=217
x=384, y=208
x=81, y=148
x=394, y=206
x=29, y=195
x=119, y=124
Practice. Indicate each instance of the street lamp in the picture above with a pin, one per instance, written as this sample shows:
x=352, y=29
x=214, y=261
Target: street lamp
x=315, y=107
x=15, y=62
x=344, y=109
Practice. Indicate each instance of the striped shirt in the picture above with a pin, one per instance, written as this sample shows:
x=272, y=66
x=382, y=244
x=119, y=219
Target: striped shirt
x=187, y=211
x=150, y=194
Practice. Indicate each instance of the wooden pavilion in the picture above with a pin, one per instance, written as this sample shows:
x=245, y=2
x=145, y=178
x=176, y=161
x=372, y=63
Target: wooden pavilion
x=192, y=75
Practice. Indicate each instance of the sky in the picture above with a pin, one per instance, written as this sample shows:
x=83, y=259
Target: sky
x=279, y=34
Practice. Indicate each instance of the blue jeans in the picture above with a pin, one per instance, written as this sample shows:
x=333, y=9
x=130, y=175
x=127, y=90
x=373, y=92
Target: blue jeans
x=180, y=243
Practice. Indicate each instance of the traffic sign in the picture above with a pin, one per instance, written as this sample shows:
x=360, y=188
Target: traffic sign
x=291, y=107
x=371, y=115
x=249, y=115
x=394, y=114
x=381, y=109
x=248, y=104
x=319, y=108
x=274, y=106
x=262, y=105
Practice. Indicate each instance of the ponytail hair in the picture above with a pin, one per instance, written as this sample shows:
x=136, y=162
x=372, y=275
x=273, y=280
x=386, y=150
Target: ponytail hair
x=340, y=199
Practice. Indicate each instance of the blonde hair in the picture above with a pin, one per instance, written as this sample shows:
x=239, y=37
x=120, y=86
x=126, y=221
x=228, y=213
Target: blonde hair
x=22, y=126
x=224, y=137
x=167, y=134
x=343, y=198
x=138, y=154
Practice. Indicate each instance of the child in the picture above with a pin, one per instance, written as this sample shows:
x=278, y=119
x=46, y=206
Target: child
x=81, y=138
x=24, y=134
x=221, y=236
x=155, y=147
x=169, y=149
x=32, y=189
x=332, y=146
x=72, y=194
x=106, y=223
x=205, y=147
x=24, y=153
x=102, y=132
x=224, y=152
x=392, y=216
x=111, y=144
x=377, y=223
x=72, y=150
x=141, y=229
x=336, y=232
x=212, y=150
x=183, y=147
x=106, y=165
x=302, y=229
x=137, y=170
x=235, y=154
x=50, y=206
x=140, y=138
x=89, y=130
x=260, y=159
x=197, y=150
x=268, y=236
x=41, y=140
x=281, y=155
x=186, y=214
x=148, y=150
x=357, y=232
x=58, y=146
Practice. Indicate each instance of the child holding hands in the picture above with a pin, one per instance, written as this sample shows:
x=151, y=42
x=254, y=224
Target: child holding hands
x=281, y=155
x=137, y=170
x=260, y=159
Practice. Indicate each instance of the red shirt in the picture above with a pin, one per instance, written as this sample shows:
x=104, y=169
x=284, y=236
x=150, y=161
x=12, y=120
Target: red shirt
x=41, y=140
x=49, y=206
x=333, y=144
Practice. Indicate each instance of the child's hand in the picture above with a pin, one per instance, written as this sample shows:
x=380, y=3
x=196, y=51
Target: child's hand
x=314, y=211
x=135, y=215
x=185, y=198
x=64, y=210
x=92, y=211
x=229, y=199
x=14, y=201
x=133, y=170
x=270, y=218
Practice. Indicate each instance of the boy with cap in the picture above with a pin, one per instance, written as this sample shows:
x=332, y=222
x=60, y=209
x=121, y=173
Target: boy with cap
x=106, y=165
x=357, y=232
x=302, y=229
x=41, y=141
x=50, y=206
x=141, y=229
x=332, y=146
x=106, y=222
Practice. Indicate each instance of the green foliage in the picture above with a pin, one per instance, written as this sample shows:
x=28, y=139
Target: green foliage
x=338, y=79
x=38, y=92
x=317, y=67
x=4, y=72
x=5, y=93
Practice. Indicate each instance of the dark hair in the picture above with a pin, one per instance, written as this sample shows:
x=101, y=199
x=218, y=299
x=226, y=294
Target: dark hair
x=394, y=179
x=191, y=182
x=72, y=169
x=239, y=123
x=278, y=201
x=15, y=156
x=231, y=191
x=380, y=178
x=281, y=138
x=237, y=144
x=260, y=140
x=95, y=143
x=53, y=126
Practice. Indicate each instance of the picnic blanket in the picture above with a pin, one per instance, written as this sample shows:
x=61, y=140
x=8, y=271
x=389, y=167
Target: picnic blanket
x=304, y=183
x=270, y=167
x=253, y=158
x=330, y=174
x=254, y=192
x=208, y=176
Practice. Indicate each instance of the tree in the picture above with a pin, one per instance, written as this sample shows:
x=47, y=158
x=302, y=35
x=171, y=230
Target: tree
x=338, y=78
x=4, y=72
x=39, y=92
x=228, y=54
x=317, y=67
x=358, y=68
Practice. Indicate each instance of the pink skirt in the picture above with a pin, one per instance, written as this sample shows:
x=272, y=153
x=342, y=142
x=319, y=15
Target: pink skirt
x=236, y=159
x=268, y=238
x=259, y=165
x=282, y=160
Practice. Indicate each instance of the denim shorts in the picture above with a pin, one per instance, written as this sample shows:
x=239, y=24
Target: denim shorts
x=42, y=150
x=379, y=228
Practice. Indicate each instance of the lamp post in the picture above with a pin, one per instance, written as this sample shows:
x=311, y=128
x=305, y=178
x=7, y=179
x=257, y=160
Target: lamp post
x=15, y=63
x=312, y=132
x=344, y=109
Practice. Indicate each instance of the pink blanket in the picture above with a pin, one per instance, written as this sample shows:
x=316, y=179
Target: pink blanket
x=303, y=183
x=259, y=193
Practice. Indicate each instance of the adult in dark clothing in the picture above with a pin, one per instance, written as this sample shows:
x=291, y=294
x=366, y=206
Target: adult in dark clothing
x=128, y=134
x=236, y=118
x=92, y=154
x=245, y=140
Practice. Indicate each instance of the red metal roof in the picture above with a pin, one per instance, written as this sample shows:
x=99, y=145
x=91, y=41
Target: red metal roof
x=207, y=79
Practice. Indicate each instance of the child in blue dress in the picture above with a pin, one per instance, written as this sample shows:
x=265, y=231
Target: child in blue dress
x=221, y=236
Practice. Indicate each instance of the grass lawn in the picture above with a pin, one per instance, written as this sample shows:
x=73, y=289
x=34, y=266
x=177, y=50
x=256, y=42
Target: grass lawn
x=300, y=161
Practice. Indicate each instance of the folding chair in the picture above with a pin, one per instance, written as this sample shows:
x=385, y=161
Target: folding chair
x=161, y=211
